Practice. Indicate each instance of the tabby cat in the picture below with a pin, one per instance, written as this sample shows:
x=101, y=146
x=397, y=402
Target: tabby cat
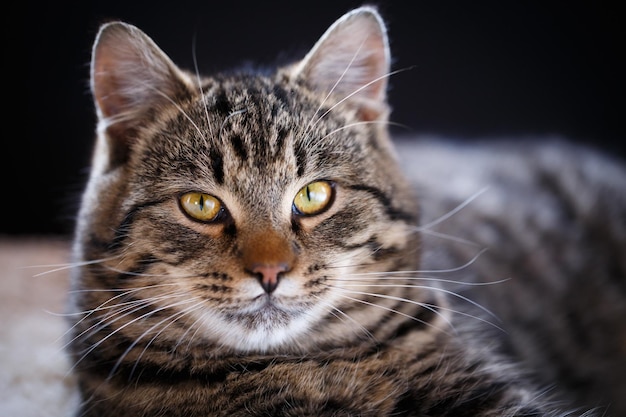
x=254, y=244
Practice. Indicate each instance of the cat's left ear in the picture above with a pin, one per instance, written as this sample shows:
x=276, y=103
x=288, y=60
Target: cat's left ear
x=351, y=60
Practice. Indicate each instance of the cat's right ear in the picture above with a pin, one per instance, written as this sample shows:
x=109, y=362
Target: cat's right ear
x=130, y=78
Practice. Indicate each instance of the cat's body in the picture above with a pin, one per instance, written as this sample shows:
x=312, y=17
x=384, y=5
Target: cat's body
x=251, y=246
x=551, y=216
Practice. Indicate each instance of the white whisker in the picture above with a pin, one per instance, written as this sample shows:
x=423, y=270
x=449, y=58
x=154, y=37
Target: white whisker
x=448, y=237
x=361, y=88
x=120, y=309
x=453, y=211
x=310, y=124
x=393, y=310
x=366, y=122
x=462, y=313
x=122, y=327
x=424, y=271
x=65, y=266
x=424, y=287
x=233, y=113
x=143, y=274
x=172, y=319
x=178, y=107
x=404, y=278
x=191, y=338
x=199, y=80
x=343, y=316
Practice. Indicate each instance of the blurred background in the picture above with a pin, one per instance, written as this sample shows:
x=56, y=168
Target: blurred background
x=481, y=69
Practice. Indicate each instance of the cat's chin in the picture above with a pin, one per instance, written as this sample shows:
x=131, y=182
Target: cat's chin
x=264, y=326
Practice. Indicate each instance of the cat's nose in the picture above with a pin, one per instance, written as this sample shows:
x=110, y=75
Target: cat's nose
x=269, y=275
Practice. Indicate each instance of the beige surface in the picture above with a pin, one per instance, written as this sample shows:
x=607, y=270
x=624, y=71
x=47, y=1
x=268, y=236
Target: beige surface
x=33, y=366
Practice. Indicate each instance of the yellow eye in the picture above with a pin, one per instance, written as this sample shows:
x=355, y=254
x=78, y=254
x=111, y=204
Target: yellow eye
x=200, y=206
x=313, y=198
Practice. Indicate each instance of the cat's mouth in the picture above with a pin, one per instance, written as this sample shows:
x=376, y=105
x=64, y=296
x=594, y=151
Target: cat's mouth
x=268, y=304
x=268, y=310
x=266, y=322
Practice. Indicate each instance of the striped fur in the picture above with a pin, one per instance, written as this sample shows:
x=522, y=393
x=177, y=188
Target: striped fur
x=169, y=316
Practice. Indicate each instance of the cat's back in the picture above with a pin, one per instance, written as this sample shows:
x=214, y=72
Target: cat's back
x=548, y=217
x=535, y=188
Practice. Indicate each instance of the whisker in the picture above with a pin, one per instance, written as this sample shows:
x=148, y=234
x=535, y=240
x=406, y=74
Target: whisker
x=124, y=293
x=364, y=86
x=429, y=306
x=365, y=122
x=178, y=107
x=125, y=309
x=433, y=279
x=391, y=310
x=310, y=124
x=172, y=320
x=131, y=289
x=448, y=237
x=118, y=329
x=424, y=287
x=462, y=313
x=189, y=339
x=65, y=266
x=143, y=274
x=107, y=320
x=424, y=271
x=199, y=80
x=334, y=310
x=453, y=211
x=233, y=113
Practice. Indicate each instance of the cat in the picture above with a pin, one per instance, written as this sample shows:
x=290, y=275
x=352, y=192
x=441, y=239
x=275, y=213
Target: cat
x=254, y=243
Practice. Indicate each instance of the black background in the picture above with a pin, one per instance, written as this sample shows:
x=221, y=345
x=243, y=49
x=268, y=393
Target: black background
x=481, y=69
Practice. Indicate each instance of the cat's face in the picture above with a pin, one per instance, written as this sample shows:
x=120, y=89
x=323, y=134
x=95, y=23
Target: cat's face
x=245, y=211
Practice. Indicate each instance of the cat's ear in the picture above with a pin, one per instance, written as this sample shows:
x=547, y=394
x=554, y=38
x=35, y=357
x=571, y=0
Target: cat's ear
x=130, y=78
x=351, y=60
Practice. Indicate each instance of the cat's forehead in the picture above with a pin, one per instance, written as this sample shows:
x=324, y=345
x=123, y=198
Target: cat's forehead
x=240, y=131
x=262, y=121
x=263, y=102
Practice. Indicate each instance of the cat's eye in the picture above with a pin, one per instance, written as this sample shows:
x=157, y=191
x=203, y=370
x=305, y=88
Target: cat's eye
x=200, y=206
x=313, y=198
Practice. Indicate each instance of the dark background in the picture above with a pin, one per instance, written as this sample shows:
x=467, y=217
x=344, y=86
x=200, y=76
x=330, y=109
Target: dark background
x=481, y=69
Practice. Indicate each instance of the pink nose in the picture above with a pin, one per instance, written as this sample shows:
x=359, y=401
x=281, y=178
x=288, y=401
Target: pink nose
x=269, y=275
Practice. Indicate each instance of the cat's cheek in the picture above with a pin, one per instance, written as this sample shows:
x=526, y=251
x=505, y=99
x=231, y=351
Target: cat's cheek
x=396, y=234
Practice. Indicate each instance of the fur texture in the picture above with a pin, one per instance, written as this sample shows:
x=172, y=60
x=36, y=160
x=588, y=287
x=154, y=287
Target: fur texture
x=251, y=244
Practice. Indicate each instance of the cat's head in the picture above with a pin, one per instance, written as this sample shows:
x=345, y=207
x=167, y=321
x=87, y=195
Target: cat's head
x=243, y=210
